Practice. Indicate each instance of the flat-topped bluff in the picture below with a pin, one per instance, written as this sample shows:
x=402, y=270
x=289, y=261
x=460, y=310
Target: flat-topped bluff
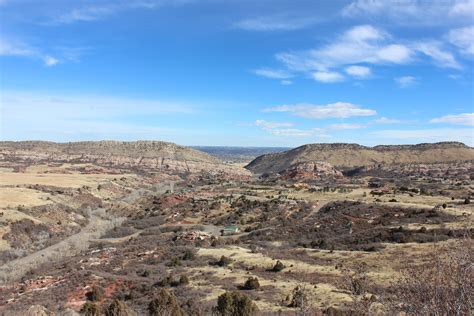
x=345, y=156
x=142, y=154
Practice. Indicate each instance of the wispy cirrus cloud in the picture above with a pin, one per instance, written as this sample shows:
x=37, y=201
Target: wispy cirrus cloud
x=284, y=129
x=458, y=119
x=271, y=125
x=463, y=38
x=314, y=111
x=106, y=8
x=385, y=120
x=275, y=23
x=411, y=11
x=406, y=81
x=13, y=47
x=273, y=73
x=344, y=126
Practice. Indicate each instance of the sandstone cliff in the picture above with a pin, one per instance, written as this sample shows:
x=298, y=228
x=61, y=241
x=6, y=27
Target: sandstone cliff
x=146, y=155
x=346, y=156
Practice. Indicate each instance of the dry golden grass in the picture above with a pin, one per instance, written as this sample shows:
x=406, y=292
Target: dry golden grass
x=59, y=180
x=322, y=294
x=12, y=197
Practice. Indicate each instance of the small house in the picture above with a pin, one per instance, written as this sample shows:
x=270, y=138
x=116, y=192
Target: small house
x=230, y=230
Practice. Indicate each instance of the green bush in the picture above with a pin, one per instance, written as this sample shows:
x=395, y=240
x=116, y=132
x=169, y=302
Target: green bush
x=251, y=284
x=164, y=303
x=95, y=294
x=183, y=280
x=224, y=261
x=278, y=266
x=299, y=297
x=189, y=255
x=91, y=309
x=174, y=262
x=235, y=304
x=119, y=308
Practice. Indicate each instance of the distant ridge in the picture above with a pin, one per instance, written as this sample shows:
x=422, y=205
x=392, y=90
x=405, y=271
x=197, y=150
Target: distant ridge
x=149, y=155
x=344, y=156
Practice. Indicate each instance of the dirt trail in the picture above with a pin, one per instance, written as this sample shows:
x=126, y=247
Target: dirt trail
x=100, y=221
x=97, y=226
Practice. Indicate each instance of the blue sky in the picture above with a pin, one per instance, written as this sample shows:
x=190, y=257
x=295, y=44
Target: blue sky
x=238, y=73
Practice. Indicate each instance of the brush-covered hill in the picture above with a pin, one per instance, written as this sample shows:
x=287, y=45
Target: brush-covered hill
x=346, y=156
x=151, y=155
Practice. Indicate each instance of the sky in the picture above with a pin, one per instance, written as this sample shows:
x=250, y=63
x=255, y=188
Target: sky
x=238, y=72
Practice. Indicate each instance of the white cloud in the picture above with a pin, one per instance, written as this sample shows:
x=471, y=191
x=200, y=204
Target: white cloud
x=275, y=23
x=286, y=82
x=358, y=71
x=406, y=81
x=463, y=8
x=464, y=135
x=333, y=110
x=104, y=9
x=463, y=38
x=292, y=132
x=9, y=47
x=364, y=44
x=328, y=76
x=441, y=57
x=272, y=73
x=270, y=125
x=283, y=129
x=411, y=11
x=344, y=126
x=385, y=120
x=50, y=61
x=361, y=44
x=459, y=119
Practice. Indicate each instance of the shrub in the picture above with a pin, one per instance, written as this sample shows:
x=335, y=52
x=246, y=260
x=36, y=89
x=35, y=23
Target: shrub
x=183, y=280
x=164, y=303
x=235, y=304
x=441, y=287
x=189, y=255
x=174, y=262
x=119, y=308
x=251, y=284
x=91, y=309
x=278, y=266
x=95, y=294
x=467, y=201
x=224, y=261
x=299, y=297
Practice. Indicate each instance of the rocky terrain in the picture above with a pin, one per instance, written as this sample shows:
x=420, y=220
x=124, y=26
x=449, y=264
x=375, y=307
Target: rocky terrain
x=152, y=228
x=349, y=156
x=311, y=171
x=145, y=155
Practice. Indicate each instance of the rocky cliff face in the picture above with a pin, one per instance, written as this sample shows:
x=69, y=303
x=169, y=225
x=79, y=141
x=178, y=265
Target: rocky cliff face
x=344, y=156
x=311, y=170
x=144, y=155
